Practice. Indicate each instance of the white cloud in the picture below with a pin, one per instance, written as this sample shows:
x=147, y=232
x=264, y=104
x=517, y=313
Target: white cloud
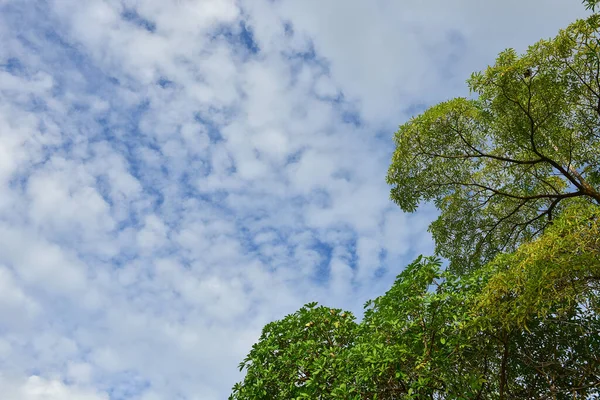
x=79, y=372
x=40, y=263
x=389, y=54
x=16, y=307
x=36, y=388
x=165, y=191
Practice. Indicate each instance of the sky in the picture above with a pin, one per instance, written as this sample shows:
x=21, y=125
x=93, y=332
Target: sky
x=176, y=174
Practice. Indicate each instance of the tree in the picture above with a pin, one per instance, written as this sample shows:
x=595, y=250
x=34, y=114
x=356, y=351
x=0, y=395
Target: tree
x=410, y=344
x=546, y=297
x=526, y=325
x=501, y=166
x=562, y=267
x=302, y=356
x=416, y=341
x=516, y=175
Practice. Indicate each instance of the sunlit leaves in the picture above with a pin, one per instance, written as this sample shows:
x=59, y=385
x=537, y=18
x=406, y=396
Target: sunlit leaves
x=559, y=270
x=501, y=166
x=300, y=356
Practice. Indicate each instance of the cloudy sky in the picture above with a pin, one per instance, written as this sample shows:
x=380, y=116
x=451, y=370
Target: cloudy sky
x=174, y=174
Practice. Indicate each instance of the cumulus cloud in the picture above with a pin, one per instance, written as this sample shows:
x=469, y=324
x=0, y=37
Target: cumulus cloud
x=174, y=175
x=36, y=388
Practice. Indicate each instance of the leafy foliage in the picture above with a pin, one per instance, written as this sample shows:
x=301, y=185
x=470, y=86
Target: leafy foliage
x=546, y=297
x=300, y=357
x=415, y=340
x=591, y=4
x=548, y=275
x=524, y=326
x=501, y=166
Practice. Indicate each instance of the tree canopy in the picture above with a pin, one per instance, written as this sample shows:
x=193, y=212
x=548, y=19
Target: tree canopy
x=301, y=356
x=502, y=165
x=525, y=326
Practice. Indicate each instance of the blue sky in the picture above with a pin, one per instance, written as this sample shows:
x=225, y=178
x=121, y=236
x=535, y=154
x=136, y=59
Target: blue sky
x=176, y=174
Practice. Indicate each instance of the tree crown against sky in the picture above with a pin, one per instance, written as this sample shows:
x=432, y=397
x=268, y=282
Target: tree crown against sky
x=500, y=166
x=524, y=326
x=516, y=175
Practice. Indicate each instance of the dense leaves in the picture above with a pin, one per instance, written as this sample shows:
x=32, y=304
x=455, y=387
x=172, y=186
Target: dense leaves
x=546, y=297
x=415, y=341
x=501, y=166
x=558, y=270
x=300, y=357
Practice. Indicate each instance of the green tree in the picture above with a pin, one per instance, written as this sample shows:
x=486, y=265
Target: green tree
x=416, y=341
x=546, y=298
x=560, y=267
x=516, y=175
x=500, y=166
x=526, y=325
x=302, y=356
